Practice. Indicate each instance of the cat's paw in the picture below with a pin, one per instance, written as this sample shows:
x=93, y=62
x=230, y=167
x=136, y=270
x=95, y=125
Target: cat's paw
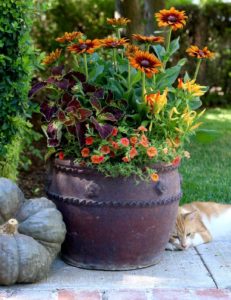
x=170, y=247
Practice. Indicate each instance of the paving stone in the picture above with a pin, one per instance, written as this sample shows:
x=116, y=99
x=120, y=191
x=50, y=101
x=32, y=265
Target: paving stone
x=217, y=257
x=126, y=295
x=30, y=295
x=77, y=295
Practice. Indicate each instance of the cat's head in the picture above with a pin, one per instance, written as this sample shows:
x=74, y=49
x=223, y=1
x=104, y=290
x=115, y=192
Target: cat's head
x=186, y=227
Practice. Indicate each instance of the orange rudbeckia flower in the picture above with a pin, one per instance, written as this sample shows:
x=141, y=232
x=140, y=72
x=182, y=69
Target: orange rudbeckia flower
x=52, y=57
x=84, y=46
x=194, y=51
x=111, y=42
x=131, y=50
x=145, y=62
x=171, y=18
x=69, y=36
x=120, y=22
x=148, y=39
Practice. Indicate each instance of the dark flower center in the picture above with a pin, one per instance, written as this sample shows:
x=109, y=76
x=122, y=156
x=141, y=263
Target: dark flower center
x=201, y=53
x=114, y=44
x=145, y=63
x=83, y=46
x=172, y=19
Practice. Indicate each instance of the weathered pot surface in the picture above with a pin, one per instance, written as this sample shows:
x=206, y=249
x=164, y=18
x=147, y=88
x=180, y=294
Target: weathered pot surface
x=113, y=223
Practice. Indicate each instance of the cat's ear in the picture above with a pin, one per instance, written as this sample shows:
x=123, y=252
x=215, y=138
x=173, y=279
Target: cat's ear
x=191, y=215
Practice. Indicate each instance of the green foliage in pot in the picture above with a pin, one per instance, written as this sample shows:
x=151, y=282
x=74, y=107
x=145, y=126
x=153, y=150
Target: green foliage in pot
x=31, y=234
x=117, y=106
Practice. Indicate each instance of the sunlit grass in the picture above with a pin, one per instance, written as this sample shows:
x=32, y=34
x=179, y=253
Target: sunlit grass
x=207, y=175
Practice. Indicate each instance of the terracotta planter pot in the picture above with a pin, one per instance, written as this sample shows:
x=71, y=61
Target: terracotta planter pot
x=113, y=223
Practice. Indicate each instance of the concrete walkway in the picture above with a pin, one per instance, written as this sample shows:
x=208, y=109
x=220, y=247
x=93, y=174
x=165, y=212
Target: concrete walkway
x=202, y=273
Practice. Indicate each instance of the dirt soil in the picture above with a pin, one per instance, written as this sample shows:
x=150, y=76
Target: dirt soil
x=32, y=181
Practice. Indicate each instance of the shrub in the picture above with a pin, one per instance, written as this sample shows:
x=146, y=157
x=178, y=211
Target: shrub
x=16, y=65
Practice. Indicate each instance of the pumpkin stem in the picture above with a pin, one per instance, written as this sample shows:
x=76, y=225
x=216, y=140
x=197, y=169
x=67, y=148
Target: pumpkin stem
x=10, y=227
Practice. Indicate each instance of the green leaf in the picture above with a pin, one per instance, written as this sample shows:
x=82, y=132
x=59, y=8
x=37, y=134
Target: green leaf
x=160, y=51
x=174, y=46
x=95, y=72
x=195, y=103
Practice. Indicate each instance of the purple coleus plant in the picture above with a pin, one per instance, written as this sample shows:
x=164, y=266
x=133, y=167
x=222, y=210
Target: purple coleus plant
x=94, y=107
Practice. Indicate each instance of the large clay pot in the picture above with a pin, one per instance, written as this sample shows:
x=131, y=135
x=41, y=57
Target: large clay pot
x=113, y=223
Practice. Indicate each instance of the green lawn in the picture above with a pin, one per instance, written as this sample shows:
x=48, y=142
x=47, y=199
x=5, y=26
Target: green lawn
x=207, y=174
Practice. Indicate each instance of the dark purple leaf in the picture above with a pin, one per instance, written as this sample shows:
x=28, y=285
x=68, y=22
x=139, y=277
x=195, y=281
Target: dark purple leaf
x=66, y=98
x=108, y=117
x=95, y=103
x=48, y=111
x=109, y=97
x=61, y=116
x=80, y=133
x=63, y=84
x=117, y=113
x=52, y=131
x=72, y=129
x=88, y=88
x=53, y=142
x=36, y=87
x=104, y=130
x=51, y=80
x=73, y=77
x=99, y=93
x=58, y=70
x=74, y=103
x=83, y=114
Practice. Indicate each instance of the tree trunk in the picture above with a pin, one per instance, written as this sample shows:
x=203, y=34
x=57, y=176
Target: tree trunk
x=132, y=10
x=151, y=7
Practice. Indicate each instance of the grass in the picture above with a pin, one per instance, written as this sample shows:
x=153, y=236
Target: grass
x=207, y=174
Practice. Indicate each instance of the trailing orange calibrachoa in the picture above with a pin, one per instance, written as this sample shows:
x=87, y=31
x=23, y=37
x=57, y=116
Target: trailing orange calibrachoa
x=119, y=106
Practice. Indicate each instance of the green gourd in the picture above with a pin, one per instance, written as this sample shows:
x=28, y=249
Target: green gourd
x=31, y=234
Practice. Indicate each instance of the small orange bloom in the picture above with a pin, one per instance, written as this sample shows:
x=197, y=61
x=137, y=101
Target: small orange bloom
x=148, y=39
x=144, y=141
x=69, y=36
x=176, y=161
x=120, y=22
x=133, y=140
x=89, y=140
x=124, y=142
x=176, y=142
x=154, y=177
x=151, y=152
x=133, y=152
x=52, y=57
x=180, y=83
x=85, y=152
x=84, y=46
x=142, y=128
x=114, y=131
x=105, y=149
x=125, y=159
x=97, y=159
x=111, y=42
x=115, y=145
x=194, y=51
x=145, y=62
x=171, y=18
x=61, y=155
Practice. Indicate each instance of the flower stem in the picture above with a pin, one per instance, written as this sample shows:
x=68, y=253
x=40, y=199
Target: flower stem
x=114, y=59
x=154, y=80
x=118, y=32
x=143, y=86
x=129, y=75
x=147, y=46
x=85, y=65
x=168, y=45
x=197, y=69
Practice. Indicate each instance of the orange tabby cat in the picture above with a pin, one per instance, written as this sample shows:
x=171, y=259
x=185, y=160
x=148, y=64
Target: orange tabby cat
x=200, y=222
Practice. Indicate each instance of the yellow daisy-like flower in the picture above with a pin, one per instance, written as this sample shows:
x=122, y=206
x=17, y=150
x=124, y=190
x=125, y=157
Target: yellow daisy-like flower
x=157, y=102
x=194, y=51
x=85, y=46
x=69, y=36
x=148, y=39
x=52, y=57
x=120, y=22
x=111, y=42
x=193, y=88
x=171, y=18
x=145, y=62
